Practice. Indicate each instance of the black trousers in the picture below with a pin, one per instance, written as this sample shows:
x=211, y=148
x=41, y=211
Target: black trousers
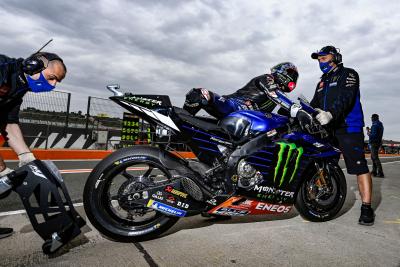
x=376, y=163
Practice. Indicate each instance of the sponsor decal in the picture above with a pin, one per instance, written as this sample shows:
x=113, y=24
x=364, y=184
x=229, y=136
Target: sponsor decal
x=262, y=196
x=316, y=144
x=158, y=195
x=245, y=207
x=175, y=192
x=282, y=166
x=212, y=201
x=231, y=212
x=97, y=183
x=128, y=159
x=143, y=100
x=37, y=172
x=165, y=208
x=142, y=232
x=332, y=84
x=272, y=190
x=170, y=199
x=182, y=205
x=273, y=207
x=247, y=203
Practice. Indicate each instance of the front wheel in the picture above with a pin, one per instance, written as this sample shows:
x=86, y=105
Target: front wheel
x=125, y=172
x=322, y=193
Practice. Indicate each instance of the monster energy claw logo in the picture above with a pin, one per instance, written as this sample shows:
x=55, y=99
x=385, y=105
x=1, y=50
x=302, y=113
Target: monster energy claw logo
x=286, y=164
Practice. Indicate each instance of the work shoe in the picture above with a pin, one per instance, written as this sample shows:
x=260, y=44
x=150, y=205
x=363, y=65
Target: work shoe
x=4, y=232
x=381, y=175
x=367, y=216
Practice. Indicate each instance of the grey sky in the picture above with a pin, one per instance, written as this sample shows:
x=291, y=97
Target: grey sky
x=170, y=46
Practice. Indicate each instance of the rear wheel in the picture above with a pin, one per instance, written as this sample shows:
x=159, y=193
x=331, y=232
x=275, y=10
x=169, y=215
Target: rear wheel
x=125, y=172
x=322, y=193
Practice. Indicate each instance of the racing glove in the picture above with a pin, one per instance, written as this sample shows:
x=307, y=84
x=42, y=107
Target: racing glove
x=25, y=158
x=324, y=117
x=304, y=118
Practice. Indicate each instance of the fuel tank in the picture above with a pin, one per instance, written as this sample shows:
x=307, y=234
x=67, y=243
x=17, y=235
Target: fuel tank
x=249, y=122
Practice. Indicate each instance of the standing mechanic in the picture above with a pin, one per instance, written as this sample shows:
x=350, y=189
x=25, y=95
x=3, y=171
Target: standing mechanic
x=375, y=143
x=337, y=99
x=38, y=73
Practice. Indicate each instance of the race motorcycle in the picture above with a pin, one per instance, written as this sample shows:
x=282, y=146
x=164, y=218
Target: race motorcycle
x=248, y=163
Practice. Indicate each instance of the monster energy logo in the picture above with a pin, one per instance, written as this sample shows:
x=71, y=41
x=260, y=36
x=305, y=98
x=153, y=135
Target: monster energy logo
x=284, y=164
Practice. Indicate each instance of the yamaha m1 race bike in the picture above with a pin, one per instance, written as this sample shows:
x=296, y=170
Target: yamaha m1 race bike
x=248, y=163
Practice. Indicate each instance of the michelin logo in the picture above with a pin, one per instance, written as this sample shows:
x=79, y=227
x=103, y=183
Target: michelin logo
x=166, y=209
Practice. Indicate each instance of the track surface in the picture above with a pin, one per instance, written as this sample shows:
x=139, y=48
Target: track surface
x=286, y=240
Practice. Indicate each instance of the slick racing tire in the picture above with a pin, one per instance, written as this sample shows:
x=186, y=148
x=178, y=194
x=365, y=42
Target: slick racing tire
x=119, y=221
x=319, y=203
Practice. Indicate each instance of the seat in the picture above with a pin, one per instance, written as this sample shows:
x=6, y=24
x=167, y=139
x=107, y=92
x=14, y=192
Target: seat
x=207, y=124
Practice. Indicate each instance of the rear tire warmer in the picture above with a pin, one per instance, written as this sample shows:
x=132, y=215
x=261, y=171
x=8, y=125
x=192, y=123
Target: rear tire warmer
x=97, y=212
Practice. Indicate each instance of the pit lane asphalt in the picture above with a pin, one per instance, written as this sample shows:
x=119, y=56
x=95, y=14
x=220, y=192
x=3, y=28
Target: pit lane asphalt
x=286, y=240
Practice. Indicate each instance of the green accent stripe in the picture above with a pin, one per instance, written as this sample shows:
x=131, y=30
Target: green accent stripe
x=291, y=148
x=285, y=167
x=299, y=154
x=282, y=147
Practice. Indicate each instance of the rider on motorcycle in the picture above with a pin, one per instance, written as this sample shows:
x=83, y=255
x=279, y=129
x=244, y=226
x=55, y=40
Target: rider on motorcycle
x=262, y=93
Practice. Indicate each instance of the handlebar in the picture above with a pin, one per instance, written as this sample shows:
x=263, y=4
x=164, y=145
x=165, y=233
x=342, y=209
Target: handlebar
x=307, y=107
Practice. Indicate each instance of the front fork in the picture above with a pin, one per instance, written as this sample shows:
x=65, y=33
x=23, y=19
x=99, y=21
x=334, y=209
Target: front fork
x=320, y=185
x=320, y=181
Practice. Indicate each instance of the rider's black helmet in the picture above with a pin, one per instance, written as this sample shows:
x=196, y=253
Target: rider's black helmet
x=285, y=74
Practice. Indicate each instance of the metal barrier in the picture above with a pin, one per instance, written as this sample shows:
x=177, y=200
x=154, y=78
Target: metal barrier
x=102, y=114
x=47, y=122
x=51, y=108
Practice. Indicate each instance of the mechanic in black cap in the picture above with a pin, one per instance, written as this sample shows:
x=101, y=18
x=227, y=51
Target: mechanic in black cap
x=38, y=73
x=337, y=100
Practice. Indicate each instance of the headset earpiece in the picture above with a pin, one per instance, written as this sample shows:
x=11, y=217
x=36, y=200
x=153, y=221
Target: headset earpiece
x=38, y=62
x=33, y=65
x=337, y=57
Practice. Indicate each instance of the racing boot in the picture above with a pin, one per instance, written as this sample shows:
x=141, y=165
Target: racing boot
x=367, y=216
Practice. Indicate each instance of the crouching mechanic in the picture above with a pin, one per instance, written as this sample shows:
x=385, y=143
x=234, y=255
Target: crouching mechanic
x=262, y=93
x=337, y=99
x=38, y=73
